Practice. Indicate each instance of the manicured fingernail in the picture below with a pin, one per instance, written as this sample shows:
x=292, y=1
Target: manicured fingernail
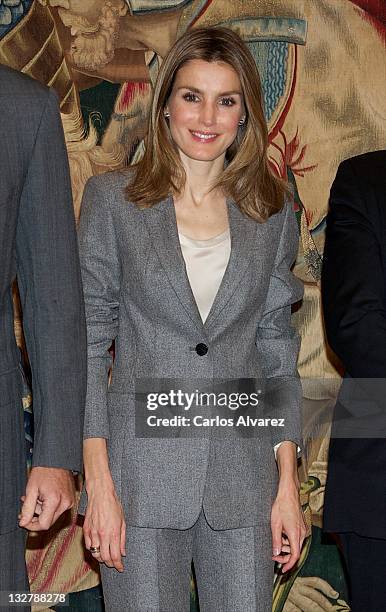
x=276, y=551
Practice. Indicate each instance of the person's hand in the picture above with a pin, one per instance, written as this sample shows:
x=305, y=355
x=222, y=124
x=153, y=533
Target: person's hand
x=287, y=526
x=49, y=493
x=104, y=527
x=313, y=594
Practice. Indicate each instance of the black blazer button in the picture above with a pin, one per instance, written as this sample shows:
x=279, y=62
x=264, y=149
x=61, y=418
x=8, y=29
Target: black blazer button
x=201, y=349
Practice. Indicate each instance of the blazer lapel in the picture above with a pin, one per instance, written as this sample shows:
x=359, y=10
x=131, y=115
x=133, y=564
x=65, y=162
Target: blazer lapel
x=162, y=225
x=243, y=233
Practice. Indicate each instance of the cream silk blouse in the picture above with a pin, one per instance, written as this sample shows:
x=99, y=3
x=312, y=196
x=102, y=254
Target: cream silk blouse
x=206, y=261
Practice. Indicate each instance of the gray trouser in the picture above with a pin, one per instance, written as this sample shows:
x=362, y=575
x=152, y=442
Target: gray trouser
x=233, y=568
x=13, y=573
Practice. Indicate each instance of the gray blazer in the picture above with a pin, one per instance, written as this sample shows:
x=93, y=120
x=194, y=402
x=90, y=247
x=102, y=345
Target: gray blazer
x=38, y=245
x=137, y=292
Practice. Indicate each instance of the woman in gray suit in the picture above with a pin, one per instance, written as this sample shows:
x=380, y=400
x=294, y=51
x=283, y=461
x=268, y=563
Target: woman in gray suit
x=186, y=265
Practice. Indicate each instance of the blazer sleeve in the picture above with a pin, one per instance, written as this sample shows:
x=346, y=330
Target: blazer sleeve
x=101, y=273
x=49, y=281
x=353, y=282
x=278, y=342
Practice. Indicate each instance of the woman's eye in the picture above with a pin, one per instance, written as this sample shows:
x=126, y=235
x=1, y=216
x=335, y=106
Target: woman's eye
x=190, y=97
x=228, y=101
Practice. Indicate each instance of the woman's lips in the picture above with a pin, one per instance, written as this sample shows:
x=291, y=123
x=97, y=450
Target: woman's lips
x=203, y=136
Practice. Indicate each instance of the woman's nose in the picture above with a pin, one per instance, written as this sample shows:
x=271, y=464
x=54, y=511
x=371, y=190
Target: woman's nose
x=208, y=113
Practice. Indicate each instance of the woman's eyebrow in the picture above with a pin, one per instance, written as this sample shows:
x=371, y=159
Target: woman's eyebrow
x=196, y=90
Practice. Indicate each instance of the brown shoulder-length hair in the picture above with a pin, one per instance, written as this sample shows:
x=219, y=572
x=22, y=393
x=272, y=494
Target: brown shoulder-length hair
x=247, y=177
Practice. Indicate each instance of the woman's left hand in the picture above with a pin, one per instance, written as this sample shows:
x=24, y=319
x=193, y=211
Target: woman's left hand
x=288, y=526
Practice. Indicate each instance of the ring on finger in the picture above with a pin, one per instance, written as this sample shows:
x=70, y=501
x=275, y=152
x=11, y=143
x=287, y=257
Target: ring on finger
x=95, y=550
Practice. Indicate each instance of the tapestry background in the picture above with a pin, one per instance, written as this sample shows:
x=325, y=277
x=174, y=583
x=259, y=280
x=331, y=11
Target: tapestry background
x=322, y=65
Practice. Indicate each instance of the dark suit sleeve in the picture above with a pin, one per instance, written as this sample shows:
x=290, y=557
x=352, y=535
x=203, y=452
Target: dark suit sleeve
x=353, y=286
x=278, y=342
x=50, y=287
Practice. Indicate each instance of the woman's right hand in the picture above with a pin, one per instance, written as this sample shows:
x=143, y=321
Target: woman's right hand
x=104, y=524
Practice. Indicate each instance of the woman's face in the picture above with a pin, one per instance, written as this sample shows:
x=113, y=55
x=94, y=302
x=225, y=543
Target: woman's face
x=205, y=107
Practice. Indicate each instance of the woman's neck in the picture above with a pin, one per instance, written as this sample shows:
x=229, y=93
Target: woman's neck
x=200, y=177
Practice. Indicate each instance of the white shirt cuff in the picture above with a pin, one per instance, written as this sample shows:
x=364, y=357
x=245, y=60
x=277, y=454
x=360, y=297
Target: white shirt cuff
x=298, y=452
